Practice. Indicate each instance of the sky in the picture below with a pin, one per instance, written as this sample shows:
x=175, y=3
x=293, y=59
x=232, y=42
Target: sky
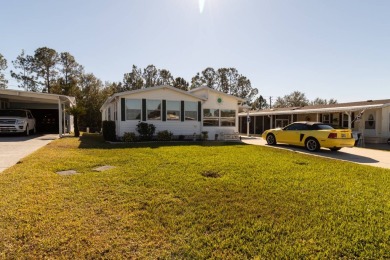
x=329, y=49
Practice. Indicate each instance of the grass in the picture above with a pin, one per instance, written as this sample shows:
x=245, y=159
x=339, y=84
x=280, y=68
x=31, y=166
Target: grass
x=191, y=201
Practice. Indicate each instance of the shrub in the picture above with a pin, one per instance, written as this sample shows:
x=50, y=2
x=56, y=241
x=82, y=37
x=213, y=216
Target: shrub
x=129, y=137
x=109, y=131
x=145, y=130
x=181, y=137
x=205, y=135
x=164, y=135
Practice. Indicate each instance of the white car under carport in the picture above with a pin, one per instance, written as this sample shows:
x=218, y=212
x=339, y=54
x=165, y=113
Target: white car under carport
x=17, y=121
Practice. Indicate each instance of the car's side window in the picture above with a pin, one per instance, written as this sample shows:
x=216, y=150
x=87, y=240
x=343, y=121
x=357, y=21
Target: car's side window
x=29, y=115
x=296, y=127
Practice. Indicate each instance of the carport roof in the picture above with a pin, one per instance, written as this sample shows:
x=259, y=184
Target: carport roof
x=23, y=96
x=331, y=108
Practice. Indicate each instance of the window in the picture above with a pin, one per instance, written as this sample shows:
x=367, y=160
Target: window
x=320, y=127
x=173, y=110
x=345, y=120
x=153, y=109
x=210, y=117
x=326, y=119
x=228, y=117
x=133, y=109
x=109, y=114
x=296, y=127
x=190, y=110
x=370, y=123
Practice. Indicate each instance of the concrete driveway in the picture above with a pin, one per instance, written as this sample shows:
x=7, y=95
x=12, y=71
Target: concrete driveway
x=14, y=148
x=365, y=156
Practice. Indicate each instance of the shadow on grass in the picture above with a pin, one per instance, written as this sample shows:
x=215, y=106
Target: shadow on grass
x=341, y=155
x=96, y=141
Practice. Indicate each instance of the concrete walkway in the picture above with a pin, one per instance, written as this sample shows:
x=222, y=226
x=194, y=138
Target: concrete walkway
x=365, y=156
x=14, y=148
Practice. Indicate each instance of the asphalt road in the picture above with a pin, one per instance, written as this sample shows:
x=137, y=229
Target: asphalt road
x=366, y=156
x=14, y=148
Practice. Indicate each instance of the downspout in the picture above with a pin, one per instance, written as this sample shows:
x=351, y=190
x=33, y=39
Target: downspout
x=59, y=117
x=64, y=118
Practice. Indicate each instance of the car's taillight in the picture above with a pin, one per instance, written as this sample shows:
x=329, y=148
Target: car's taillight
x=332, y=135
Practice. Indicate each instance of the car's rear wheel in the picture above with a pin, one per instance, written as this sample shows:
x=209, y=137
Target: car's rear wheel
x=312, y=144
x=271, y=140
x=335, y=149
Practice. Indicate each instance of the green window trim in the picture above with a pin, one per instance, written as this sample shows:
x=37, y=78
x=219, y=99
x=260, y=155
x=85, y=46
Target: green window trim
x=143, y=109
x=123, y=109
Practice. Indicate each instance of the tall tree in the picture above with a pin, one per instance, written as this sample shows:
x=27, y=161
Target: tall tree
x=280, y=102
x=45, y=65
x=196, y=81
x=244, y=89
x=320, y=101
x=294, y=99
x=3, y=66
x=181, y=83
x=209, y=77
x=259, y=103
x=91, y=98
x=165, y=77
x=133, y=80
x=110, y=88
x=150, y=76
x=69, y=75
x=25, y=75
x=227, y=80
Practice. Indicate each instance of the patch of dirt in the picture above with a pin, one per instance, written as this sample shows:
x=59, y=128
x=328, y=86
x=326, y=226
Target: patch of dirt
x=211, y=174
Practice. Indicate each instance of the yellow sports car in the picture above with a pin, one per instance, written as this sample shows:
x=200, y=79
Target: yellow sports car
x=312, y=135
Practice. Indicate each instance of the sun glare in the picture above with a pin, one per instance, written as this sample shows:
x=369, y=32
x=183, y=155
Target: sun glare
x=201, y=5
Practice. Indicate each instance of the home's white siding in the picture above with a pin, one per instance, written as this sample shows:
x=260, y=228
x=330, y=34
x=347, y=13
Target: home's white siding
x=228, y=102
x=206, y=98
x=176, y=127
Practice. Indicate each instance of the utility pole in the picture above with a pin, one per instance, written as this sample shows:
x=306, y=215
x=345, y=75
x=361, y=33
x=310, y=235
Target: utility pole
x=270, y=102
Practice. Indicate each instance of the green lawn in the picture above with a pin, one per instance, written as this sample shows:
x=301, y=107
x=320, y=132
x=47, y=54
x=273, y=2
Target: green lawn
x=191, y=201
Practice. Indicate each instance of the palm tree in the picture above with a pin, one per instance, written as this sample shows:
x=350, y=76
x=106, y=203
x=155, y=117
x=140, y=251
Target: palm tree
x=76, y=111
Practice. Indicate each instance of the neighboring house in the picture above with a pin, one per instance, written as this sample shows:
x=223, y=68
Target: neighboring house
x=370, y=118
x=180, y=112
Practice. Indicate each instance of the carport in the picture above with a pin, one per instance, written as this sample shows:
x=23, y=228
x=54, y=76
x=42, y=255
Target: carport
x=49, y=110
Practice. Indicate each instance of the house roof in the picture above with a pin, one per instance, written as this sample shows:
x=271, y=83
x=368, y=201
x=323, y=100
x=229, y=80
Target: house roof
x=342, y=107
x=188, y=93
x=216, y=91
x=131, y=92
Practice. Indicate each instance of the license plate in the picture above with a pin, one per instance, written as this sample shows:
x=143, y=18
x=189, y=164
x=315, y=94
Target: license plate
x=343, y=135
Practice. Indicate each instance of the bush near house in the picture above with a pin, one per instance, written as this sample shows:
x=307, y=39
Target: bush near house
x=109, y=132
x=164, y=135
x=177, y=200
x=129, y=137
x=145, y=130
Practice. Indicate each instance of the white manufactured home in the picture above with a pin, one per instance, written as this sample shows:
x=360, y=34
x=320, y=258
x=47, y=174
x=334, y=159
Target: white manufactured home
x=180, y=112
x=370, y=118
